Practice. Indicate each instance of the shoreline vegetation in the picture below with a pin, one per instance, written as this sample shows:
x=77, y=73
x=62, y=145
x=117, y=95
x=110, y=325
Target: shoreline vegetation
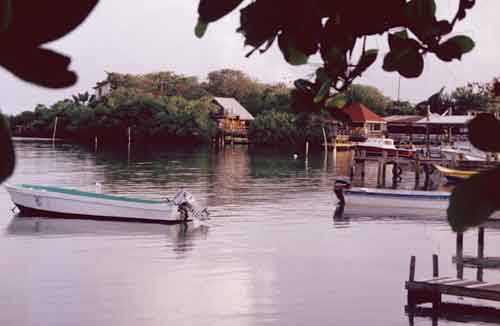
x=169, y=108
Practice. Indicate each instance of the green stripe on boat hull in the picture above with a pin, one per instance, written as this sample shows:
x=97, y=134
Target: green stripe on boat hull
x=74, y=192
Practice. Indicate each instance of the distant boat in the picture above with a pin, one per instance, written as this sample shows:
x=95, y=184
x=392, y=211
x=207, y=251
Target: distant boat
x=454, y=175
x=462, y=153
x=351, y=197
x=37, y=200
x=376, y=146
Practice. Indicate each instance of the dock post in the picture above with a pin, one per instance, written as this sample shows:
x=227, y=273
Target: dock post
x=363, y=165
x=128, y=147
x=334, y=150
x=417, y=170
x=460, y=255
x=54, y=132
x=435, y=266
x=95, y=143
x=307, y=150
x=384, y=165
x=480, y=252
x=412, y=269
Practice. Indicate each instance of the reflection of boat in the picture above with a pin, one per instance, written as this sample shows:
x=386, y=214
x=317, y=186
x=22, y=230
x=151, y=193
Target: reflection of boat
x=391, y=198
x=65, y=202
x=375, y=146
x=454, y=175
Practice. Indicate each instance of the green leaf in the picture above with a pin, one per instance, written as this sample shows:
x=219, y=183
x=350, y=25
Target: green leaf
x=291, y=53
x=421, y=10
x=454, y=48
x=465, y=43
x=323, y=91
x=366, y=60
x=7, y=155
x=408, y=62
x=336, y=101
x=303, y=85
x=474, y=200
x=200, y=28
x=6, y=15
x=322, y=75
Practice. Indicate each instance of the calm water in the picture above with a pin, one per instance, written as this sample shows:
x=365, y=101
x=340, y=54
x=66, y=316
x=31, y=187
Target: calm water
x=272, y=254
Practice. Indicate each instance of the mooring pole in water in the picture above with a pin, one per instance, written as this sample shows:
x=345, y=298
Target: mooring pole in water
x=412, y=269
x=54, y=132
x=480, y=252
x=129, y=141
x=435, y=266
x=417, y=170
x=95, y=144
x=307, y=150
x=460, y=255
x=325, y=141
x=334, y=150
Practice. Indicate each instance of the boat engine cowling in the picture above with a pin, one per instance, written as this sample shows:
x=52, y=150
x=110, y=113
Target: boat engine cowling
x=186, y=201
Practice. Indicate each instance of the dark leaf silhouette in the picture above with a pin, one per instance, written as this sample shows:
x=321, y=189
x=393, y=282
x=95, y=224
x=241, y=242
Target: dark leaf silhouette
x=29, y=24
x=474, y=200
x=7, y=158
x=38, y=22
x=40, y=66
x=484, y=132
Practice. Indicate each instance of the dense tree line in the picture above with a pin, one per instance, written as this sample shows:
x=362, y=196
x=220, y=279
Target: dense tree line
x=167, y=107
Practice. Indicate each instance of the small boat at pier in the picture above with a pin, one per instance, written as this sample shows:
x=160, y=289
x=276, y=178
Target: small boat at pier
x=390, y=198
x=454, y=175
x=376, y=146
x=50, y=201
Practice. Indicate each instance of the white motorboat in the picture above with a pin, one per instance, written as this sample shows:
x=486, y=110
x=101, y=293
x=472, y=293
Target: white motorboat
x=65, y=202
x=463, y=153
x=376, y=146
x=390, y=198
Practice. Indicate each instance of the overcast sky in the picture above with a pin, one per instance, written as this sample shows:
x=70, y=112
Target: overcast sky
x=139, y=37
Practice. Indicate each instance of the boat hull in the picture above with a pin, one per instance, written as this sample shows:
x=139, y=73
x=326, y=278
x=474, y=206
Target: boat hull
x=37, y=201
x=388, y=198
x=377, y=151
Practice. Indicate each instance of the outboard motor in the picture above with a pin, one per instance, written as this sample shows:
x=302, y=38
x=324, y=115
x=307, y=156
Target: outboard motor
x=338, y=189
x=188, y=206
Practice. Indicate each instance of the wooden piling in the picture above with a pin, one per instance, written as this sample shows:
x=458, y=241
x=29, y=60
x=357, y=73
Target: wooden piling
x=412, y=269
x=129, y=142
x=95, y=144
x=384, y=165
x=435, y=266
x=460, y=255
x=55, y=130
x=417, y=170
x=480, y=253
x=307, y=150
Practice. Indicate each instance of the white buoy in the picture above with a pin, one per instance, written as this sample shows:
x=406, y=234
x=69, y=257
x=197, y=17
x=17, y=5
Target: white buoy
x=295, y=156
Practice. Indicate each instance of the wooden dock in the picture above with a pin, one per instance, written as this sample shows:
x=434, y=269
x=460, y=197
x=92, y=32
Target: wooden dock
x=432, y=289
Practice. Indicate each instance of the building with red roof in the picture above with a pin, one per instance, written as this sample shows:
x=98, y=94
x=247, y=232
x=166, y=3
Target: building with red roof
x=364, y=122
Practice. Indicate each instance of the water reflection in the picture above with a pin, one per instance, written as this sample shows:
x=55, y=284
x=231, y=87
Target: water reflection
x=455, y=312
x=182, y=237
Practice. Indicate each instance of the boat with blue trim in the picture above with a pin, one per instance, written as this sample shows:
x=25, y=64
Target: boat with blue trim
x=390, y=198
x=38, y=200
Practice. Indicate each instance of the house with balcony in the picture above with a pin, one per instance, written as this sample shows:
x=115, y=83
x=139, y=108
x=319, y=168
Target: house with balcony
x=232, y=118
x=363, y=122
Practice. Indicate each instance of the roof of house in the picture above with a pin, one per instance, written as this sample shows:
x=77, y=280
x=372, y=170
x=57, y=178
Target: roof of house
x=360, y=113
x=402, y=119
x=445, y=120
x=233, y=108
